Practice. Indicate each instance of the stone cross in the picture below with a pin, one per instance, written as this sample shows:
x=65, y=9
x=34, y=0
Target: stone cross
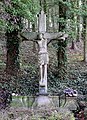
x=42, y=22
x=42, y=38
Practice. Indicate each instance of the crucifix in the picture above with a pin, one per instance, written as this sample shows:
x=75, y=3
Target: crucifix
x=43, y=38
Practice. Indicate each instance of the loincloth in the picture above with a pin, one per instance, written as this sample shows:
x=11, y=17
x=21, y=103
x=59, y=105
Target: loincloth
x=43, y=58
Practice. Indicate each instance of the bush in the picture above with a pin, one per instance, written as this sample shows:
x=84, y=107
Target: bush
x=63, y=114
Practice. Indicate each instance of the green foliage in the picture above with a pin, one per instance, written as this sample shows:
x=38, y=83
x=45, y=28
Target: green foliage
x=16, y=10
x=2, y=22
x=25, y=84
x=62, y=114
x=23, y=8
x=2, y=26
x=72, y=8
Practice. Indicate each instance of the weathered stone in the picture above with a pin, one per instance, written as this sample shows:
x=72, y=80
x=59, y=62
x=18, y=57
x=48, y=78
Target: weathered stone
x=43, y=101
x=43, y=39
x=42, y=22
x=82, y=101
x=71, y=105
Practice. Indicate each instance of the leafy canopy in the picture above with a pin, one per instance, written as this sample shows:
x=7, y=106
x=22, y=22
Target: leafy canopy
x=16, y=10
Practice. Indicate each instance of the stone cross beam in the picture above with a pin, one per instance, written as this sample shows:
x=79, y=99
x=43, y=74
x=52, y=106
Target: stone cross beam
x=42, y=38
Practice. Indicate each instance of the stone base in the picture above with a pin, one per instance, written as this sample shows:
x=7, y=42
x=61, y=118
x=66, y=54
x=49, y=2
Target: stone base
x=43, y=100
x=42, y=89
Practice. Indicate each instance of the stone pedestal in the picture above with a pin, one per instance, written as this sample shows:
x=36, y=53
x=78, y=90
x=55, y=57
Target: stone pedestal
x=43, y=100
x=42, y=90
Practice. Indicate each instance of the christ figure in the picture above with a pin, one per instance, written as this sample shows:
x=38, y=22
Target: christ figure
x=43, y=59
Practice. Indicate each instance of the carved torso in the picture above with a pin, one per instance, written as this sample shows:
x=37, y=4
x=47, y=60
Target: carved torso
x=43, y=54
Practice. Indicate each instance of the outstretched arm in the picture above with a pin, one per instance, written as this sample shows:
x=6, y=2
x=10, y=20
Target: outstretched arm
x=26, y=36
x=57, y=36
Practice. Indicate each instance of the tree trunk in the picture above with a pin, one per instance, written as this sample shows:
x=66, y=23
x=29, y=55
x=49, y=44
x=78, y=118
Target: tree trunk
x=85, y=31
x=34, y=43
x=79, y=23
x=62, y=15
x=12, y=63
x=85, y=39
x=62, y=58
x=61, y=52
x=73, y=45
x=80, y=27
